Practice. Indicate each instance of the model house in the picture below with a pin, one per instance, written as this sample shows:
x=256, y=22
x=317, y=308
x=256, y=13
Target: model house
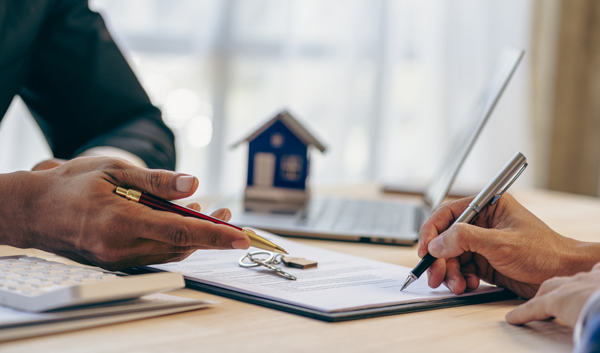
x=278, y=160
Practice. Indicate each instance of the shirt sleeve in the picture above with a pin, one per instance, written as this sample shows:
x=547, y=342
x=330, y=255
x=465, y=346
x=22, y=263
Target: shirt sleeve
x=591, y=307
x=83, y=93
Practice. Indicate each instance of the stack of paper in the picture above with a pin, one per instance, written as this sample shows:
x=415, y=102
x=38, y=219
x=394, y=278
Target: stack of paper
x=16, y=324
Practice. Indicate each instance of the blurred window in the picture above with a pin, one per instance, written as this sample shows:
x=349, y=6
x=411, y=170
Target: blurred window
x=383, y=83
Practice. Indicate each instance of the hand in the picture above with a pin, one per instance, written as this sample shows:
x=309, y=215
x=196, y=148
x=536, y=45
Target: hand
x=48, y=164
x=72, y=210
x=507, y=246
x=561, y=297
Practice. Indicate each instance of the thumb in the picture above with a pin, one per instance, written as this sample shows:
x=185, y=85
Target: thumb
x=459, y=238
x=162, y=183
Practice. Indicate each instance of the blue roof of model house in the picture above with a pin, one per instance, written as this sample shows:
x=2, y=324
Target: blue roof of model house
x=293, y=125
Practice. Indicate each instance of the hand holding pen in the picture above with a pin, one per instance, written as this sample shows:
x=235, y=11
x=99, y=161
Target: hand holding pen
x=487, y=197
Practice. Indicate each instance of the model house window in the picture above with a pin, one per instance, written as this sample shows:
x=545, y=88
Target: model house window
x=277, y=140
x=291, y=167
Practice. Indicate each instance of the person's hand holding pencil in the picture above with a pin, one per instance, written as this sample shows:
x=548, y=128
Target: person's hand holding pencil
x=72, y=210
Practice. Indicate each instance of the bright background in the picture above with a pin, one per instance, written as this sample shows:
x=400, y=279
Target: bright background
x=382, y=83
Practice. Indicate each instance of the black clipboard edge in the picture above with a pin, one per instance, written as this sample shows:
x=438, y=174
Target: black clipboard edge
x=353, y=314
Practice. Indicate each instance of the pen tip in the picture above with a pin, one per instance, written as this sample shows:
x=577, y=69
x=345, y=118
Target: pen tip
x=410, y=279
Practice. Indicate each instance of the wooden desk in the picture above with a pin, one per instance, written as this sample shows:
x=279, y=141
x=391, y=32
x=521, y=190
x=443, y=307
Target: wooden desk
x=232, y=326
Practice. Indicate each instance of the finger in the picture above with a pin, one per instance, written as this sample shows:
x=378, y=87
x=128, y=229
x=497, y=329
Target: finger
x=177, y=230
x=463, y=237
x=144, y=261
x=195, y=206
x=439, y=221
x=436, y=273
x=465, y=258
x=551, y=284
x=523, y=290
x=162, y=183
x=472, y=281
x=223, y=214
x=469, y=272
x=454, y=278
x=534, y=310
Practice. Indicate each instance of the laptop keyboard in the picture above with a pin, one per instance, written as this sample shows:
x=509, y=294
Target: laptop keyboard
x=364, y=217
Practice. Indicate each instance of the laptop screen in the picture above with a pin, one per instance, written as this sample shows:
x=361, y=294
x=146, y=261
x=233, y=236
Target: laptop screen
x=478, y=116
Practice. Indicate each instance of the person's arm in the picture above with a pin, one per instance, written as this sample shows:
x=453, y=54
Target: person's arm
x=507, y=245
x=84, y=95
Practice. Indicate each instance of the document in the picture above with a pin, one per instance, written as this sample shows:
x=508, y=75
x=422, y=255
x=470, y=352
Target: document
x=339, y=283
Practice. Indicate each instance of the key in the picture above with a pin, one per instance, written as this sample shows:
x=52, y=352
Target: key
x=277, y=270
x=298, y=262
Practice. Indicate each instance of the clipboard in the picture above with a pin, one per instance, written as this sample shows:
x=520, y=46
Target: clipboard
x=343, y=287
x=352, y=314
x=341, y=316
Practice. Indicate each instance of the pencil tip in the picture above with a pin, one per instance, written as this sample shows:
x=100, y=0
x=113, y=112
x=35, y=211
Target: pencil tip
x=280, y=250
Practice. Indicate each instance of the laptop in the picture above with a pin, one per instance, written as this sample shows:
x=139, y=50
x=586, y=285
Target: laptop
x=380, y=221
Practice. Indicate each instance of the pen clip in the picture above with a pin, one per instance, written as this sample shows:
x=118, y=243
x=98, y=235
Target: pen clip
x=508, y=185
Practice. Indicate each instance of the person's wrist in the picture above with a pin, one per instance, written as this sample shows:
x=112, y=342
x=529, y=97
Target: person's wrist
x=580, y=257
x=12, y=210
x=17, y=190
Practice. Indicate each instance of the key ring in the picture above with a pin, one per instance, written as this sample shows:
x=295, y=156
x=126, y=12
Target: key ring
x=269, y=263
x=250, y=255
x=277, y=259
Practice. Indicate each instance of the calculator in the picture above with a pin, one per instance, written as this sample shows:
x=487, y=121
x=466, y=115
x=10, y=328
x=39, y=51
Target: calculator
x=34, y=284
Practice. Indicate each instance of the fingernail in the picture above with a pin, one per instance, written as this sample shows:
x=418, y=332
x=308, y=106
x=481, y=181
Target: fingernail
x=451, y=284
x=239, y=244
x=184, y=183
x=436, y=246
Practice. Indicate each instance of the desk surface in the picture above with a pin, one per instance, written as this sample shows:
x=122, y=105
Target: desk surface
x=232, y=326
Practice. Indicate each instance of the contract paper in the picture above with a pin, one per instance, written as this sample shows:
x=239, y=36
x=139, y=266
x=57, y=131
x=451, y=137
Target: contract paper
x=339, y=283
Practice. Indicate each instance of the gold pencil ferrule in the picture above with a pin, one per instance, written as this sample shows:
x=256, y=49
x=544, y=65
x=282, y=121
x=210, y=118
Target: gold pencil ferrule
x=248, y=232
x=130, y=194
x=259, y=242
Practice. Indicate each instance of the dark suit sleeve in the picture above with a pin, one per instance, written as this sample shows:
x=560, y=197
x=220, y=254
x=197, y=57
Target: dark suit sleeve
x=83, y=93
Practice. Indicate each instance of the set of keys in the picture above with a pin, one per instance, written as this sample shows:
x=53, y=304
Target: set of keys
x=270, y=260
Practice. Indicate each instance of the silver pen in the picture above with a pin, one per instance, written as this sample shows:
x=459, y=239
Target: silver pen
x=488, y=196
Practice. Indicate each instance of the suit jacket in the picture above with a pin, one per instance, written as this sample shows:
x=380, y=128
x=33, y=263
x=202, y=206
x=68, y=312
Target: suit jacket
x=59, y=57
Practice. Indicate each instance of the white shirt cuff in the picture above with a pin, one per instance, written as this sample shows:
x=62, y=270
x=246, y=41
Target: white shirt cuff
x=592, y=305
x=108, y=151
